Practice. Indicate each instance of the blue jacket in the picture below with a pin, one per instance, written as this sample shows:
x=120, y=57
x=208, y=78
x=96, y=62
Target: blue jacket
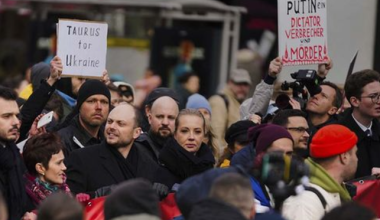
x=197, y=188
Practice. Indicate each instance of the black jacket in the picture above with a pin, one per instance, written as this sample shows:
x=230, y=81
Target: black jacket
x=34, y=106
x=333, y=119
x=177, y=164
x=91, y=168
x=12, y=185
x=150, y=146
x=209, y=209
x=74, y=136
x=368, y=147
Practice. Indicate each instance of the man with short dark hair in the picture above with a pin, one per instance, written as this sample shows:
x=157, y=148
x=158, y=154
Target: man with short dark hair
x=92, y=170
x=294, y=120
x=363, y=92
x=322, y=107
x=12, y=167
x=332, y=161
x=85, y=129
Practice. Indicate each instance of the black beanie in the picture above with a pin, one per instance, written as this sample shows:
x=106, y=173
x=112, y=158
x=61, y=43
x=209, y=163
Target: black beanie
x=238, y=131
x=132, y=197
x=161, y=92
x=92, y=87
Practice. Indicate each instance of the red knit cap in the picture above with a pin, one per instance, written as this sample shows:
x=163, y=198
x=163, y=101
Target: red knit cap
x=332, y=140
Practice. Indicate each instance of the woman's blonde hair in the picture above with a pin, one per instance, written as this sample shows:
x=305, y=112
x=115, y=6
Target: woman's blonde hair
x=192, y=112
x=211, y=143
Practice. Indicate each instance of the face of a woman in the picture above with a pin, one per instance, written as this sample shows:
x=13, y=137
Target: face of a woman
x=193, y=84
x=190, y=132
x=55, y=172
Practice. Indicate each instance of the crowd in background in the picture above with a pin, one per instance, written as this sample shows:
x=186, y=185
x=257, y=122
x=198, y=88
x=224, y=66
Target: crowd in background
x=227, y=157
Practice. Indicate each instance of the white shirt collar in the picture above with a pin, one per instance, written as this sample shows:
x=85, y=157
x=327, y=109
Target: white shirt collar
x=364, y=128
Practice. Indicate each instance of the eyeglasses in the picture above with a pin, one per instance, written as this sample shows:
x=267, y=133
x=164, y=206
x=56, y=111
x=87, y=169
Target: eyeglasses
x=299, y=129
x=374, y=97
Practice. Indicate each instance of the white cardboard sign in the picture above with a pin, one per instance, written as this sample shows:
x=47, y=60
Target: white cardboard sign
x=82, y=46
x=302, y=32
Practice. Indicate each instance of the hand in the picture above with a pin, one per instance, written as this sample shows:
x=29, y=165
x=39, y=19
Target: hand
x=255, y=119
x=275, y=67
x=82, y=197
x=29, y=216
x=56, y=68
x=324, y=68
x=295, y=104
x=376, y=171
x=105, y=78
x=161, y=190
x=346, y=105
x=104, y=191
x=34, y=130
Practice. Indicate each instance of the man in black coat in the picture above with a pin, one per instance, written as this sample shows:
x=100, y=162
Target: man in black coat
x=92, y=170
x=86, y=128
x=363, y=92
x=12, y=166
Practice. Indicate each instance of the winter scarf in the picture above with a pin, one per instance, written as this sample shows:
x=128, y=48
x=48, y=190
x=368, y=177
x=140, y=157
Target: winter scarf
x=39, y=190
x=12, y=169
x=320, y=177
x=183, y=163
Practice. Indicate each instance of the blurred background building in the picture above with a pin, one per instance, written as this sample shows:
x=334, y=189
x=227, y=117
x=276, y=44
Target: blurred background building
x=208, y=37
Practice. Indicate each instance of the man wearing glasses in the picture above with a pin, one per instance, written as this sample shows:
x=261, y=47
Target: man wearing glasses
x=294, y=120
x=363, y=92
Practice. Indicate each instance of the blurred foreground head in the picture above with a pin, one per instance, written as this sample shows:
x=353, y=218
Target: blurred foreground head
x=132, y=198
x=60, y=206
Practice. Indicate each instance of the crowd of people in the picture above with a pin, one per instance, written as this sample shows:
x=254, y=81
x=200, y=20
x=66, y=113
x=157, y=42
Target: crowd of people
x=228, y=157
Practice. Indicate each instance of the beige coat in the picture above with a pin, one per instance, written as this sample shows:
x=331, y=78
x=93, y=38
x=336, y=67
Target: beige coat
x=221, y=119
x=307, y=205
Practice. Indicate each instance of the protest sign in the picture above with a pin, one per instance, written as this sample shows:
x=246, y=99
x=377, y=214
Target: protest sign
x=302, y=32
x=82, y=46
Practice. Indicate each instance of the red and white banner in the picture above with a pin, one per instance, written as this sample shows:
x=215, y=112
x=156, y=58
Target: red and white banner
x=302, y=32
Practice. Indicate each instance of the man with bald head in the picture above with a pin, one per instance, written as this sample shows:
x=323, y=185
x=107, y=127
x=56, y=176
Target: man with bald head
x=161, y=110
x=93, y=169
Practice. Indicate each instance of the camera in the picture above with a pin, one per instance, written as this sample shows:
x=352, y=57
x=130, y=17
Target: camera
x=284, y=175
x=303, y=78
